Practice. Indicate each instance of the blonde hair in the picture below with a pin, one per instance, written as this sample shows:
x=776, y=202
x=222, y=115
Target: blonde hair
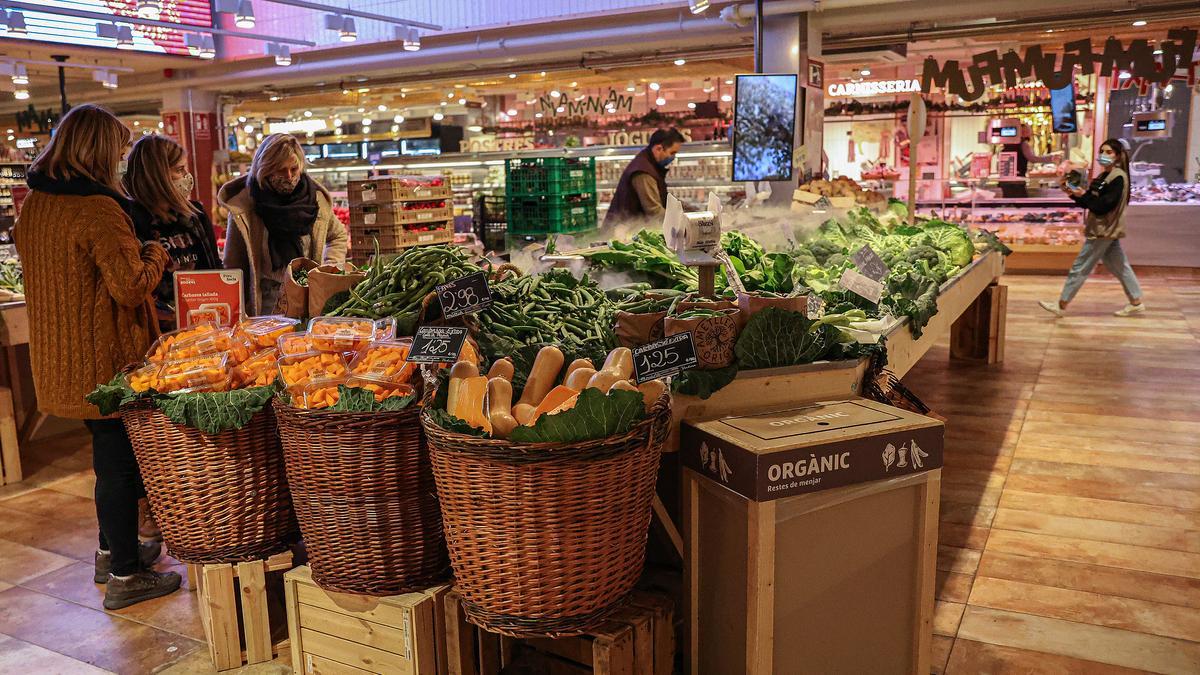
x=274, y=151
x=88, y=143
x=148, y=177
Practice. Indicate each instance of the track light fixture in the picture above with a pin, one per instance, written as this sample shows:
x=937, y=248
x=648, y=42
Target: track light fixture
x=149, y=9
x=20, y=75
x=124, y=37
x=282, y=53
x=244, y=16
x=698, y=6
x=16, y=26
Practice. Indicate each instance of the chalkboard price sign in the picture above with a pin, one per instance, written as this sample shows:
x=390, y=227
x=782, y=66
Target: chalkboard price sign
x=466, y=295
x=669, y=356
x=437, y=344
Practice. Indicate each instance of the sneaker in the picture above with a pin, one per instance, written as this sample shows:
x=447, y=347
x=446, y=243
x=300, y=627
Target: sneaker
x=145, y=585
x=147, y=527
x=148, y=552
x=1052, y=307
x=1130, y=310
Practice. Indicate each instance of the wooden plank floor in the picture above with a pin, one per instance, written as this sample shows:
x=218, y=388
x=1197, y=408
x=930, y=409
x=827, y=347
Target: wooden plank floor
x=1070, y=522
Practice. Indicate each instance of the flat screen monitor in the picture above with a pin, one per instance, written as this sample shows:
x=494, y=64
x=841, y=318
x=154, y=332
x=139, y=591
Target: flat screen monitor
x=1009, y=132
x=764, y=127
x=311, y=152
x=422, y=147
x=343, y=151
x=1062, y=106
x=1152, y=125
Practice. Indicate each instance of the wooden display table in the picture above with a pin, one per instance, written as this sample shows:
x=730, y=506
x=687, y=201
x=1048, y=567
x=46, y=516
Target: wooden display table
x=19, y=418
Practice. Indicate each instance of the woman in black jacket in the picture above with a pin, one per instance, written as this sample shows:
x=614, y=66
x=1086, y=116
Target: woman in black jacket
x=159, y=183
x=1105, y=200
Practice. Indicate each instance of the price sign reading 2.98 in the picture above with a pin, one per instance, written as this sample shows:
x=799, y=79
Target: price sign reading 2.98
x=467, y=295
x=437, y=344
x=669, y=356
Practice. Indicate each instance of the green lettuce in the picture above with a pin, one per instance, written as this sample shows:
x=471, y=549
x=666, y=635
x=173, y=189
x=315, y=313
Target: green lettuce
x=703, y=383
x=595, y=415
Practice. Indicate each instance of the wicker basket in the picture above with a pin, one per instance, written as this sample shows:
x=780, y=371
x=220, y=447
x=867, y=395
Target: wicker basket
x=217, y=497
x=546, y=540
x=365, y=498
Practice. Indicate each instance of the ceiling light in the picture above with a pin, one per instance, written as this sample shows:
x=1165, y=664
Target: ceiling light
x=698, y=6
x=1158, y=52
x=726, y=98
x=21, y=94
x=691, y=105
x=244, y=16
x=362, y=110
x=438, y=117
x=574, y=84
x=16, y=26
x=708, y=85
x=381, y=107
x=241, y=118
x=1139, y=23
x=149, y=9
x=530, y=101
x=462, y=101
x=512, y=76
x=475, y=128
x=337, y=122
x=249, y=128
x=137, y=124
x=208, y=50
x=283, y=57
x=274, y=97
x=680, y=62
x=554, y=93
x=560, y=109
x=161, y=125
x=308, y=113
x=11, y=137
x=11, y=131
x=395, y=128
x=258, y=136
x=511, y=112
x=410, y=39
x=348, y=33
x=538, y=115
x=364, y=90
x=345, y=92
x=20, y=75
x=632, y=86
x=366, y=122
x=125, y=37
x=728, y=81
x=865, y=72
x=1169, y=88
x=660, y=101
x=106, y=79
x=193, y=41
x=654, y=86
x=1124, y=76
x=443, y=104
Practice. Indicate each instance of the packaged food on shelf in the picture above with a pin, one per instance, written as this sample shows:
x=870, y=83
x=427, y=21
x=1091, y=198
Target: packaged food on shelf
x=290, y=344
x=259, y=370
x=384, y=359
x=382, y=388
x=145, y=377
x=340, y=334
x=300, y=369
x=264, y=331
x=162, y=347
x=193, y=374
x=318, y=394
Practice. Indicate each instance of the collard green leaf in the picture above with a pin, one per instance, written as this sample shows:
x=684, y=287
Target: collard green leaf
x=776, y=337
x=453, y=424
x=357, y=399
x=595, y=415
x=703, y=383
x=214, y=412
x=110, y=397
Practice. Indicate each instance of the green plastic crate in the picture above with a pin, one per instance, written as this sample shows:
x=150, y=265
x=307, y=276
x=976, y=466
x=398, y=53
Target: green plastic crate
x=537, y=176
x=551, y=214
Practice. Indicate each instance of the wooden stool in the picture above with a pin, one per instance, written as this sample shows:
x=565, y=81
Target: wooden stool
x=219, y=609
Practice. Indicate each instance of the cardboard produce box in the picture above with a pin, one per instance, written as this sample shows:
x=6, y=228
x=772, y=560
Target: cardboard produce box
x=811, y=538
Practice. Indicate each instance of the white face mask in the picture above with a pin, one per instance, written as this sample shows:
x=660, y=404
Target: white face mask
x=184, y=184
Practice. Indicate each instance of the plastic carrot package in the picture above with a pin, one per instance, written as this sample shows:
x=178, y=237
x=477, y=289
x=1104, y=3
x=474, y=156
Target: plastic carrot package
x=264, y=331
x=200, y=373
x=291, y=344
x=145, y=378
x=384, y=359
x=300, y=369
x=161, y=349
x=382, y=388
x=340, y=334
x=319, y=394
x=259, y=370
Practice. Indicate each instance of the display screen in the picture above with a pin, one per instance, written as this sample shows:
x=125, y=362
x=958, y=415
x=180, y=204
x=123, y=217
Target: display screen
x=1062, y=105
x=1008, y=132
x=764, y=124
x=311, y=152
x=343, y=151
x=383, y=149
x=422, y=146
x=1152, y=125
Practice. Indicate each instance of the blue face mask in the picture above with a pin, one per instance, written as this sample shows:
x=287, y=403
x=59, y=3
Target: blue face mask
x=1106, y=160
x=664, y=163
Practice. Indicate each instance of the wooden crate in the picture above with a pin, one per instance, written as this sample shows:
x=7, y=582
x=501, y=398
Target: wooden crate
x=391, y=189
x=383, y=215
x=979, y=334
x=334, y=632
x=394, y=239
x=220, y=587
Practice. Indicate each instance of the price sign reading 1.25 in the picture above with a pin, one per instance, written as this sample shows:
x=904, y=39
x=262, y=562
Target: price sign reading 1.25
x=437, y=344
x=467, y=295
x=669, y=356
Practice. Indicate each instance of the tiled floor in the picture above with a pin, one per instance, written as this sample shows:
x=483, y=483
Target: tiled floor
x=1070, y=536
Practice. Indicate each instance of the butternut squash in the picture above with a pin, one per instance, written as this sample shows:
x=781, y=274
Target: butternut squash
x=543, y=375
x=471, y=406
x=523, y=412
x=460, y=372
x=578, y=380
x=620, y=361
x=604, y=380
x=499, y=396
x=623, y=385
x=576, y=365
x=469, y=353
x=652, y=390
x=552, y=400
x=502, y=368
x=502, y=424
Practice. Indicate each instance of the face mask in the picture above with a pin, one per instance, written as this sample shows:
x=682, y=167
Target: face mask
x=184, y=184
x=282, y=185
x=123, y=167
x=1106, y=160
x=664, y=163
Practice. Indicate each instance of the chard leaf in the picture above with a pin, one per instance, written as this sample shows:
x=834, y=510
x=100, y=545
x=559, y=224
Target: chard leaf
x=595, y=415
x=214, y=412
x=453, y=424
x=357, y=399
x=110, y=397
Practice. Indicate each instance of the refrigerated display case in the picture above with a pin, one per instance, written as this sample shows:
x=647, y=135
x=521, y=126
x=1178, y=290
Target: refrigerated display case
x=1045, y=234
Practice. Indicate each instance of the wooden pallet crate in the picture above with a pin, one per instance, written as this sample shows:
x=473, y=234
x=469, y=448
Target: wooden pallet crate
x=233, y=595
x=345, y=633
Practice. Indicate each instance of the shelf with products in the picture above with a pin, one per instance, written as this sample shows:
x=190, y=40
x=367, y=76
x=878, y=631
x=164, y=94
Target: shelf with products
x=1045, y=234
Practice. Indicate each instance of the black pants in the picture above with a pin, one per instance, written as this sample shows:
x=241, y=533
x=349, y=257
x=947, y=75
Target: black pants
x=118, y=488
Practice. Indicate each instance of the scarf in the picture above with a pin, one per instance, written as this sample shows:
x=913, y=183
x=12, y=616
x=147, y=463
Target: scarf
x=286, y=217
x=78, y=186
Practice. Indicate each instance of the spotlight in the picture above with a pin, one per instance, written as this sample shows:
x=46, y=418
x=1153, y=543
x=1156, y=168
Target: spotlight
x=511, y=112
x=698, y=6
x=512, y=76
x=660, y=101
x=125, y=37
x=249, y=128
x=381, y=107
x=438, y=117
x=16, y=26
x=680, y=62
x=21, y=94
x=308, y=113
x=865, y=72
x=1139, y=23
x=283, y=56
x=149, y=9
x=410, y=39
x=654, y=86
x=244, y=16
x=348, y=33
x=20, y=74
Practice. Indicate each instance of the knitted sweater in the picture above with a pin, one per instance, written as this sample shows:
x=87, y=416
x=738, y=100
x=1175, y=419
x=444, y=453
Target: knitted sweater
x=87, y=288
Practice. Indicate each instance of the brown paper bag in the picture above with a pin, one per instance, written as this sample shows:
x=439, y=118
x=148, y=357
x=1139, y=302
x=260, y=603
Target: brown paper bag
x=635, y=330
x=293, y=301
x=752, y=304
x=714, y=337
x=327, y=281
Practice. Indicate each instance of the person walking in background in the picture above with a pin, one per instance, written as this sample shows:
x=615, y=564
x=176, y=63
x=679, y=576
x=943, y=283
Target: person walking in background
x=1105, y=200
x=87, y=287
x=277, y=213
x=642, y=191
x=158, y=180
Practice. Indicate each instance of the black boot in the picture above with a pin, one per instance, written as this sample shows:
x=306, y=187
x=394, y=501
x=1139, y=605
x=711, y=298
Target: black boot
x=145, y=585
x=148, y=552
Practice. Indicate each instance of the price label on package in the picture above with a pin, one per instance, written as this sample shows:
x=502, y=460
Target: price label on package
x=467, y=295
x=815, y=307
x=865, y=286
x=870, y=264
x=437, y=344
x=669, y=356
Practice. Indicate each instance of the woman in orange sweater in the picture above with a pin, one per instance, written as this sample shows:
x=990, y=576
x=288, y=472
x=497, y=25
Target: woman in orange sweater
x=87, y=287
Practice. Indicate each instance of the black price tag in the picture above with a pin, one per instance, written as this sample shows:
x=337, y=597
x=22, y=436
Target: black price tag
x=437, y=344
x=467, y=295
x=669, y=356
x=870, y=264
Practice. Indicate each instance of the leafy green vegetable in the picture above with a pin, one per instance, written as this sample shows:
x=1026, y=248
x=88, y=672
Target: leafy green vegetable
x=214, y=412
x=822, y=249
x=703, y=383
x=951, y=239
x=453, y=424
x=110, y=397
x=775, y=337
x=357, y=399
x=595, y=415
x=913, y=295
x=986, y=239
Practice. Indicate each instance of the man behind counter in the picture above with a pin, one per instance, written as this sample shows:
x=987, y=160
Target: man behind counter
x=642, y=190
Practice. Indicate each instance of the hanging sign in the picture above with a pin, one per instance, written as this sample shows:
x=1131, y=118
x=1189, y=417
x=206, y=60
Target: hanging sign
x=563, y=104
x=437, y=344
x=868, y=88
x=990, y=68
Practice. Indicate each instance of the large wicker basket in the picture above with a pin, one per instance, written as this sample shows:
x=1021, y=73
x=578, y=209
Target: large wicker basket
x=545, y=539
x=217, y=497
x=365, y=499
